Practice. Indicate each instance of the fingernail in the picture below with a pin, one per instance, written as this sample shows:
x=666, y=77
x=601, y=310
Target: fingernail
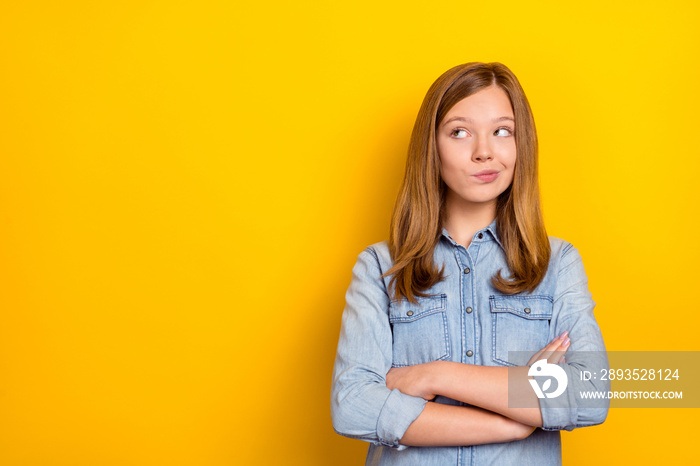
x=566, y=342
x=564, y=334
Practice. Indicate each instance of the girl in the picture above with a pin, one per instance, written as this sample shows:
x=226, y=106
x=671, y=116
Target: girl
x=443, y=321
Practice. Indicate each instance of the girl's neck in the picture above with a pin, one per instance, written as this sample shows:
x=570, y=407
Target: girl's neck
x=462, y=220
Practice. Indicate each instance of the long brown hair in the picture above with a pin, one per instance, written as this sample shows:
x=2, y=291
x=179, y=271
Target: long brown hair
x=416, y=223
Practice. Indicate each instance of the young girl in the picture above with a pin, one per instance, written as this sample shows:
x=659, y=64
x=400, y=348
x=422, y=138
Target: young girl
x=467, y=294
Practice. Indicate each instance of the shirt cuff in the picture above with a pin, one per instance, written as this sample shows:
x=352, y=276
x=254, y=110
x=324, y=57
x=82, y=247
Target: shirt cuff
x=398, y=412
x=560, y=413
x=556, y=418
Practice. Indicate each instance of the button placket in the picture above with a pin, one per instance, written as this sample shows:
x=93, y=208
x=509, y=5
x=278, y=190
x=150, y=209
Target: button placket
x=465, y=258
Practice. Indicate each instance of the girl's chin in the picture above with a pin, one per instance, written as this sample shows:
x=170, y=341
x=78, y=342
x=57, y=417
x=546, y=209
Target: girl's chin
x=475, y=199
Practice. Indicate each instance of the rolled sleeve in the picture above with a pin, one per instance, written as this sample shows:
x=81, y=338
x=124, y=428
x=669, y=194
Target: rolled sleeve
x=573, y=308
x=398, y=413
x=362, y=406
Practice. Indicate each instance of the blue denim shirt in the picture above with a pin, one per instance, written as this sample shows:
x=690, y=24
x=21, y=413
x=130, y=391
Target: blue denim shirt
x=468, y=321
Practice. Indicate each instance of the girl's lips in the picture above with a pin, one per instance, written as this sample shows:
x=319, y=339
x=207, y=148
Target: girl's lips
x=486, y=175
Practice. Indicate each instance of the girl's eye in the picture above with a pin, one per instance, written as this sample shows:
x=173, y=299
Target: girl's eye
x=503, y=132
x=459, y=133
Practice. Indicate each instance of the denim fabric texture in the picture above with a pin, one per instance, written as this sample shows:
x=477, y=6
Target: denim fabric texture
x=379, y=332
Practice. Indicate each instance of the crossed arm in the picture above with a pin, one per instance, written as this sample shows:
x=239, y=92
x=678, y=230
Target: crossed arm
x=485, y=387
x=372, y=402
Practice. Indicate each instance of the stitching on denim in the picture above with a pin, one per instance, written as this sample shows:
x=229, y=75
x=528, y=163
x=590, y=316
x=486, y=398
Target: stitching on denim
x=445, y=329
x=379, y=419
x=414, y=317
x=403, y=305
x=474, y=259
x=371, y=250
x=472, y=278
x=494, y=328
x=493, y=339
x=518, y=311
x=566, y=251
x=495, y=335
x=567, y=247
x=446, y=334
x=463, y=325
x=546, y=297
x=446, y=341
x=358, y=437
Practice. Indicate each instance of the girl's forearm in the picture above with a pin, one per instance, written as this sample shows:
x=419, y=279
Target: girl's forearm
x=448, y=425
x=488, y=388
x=503, y=390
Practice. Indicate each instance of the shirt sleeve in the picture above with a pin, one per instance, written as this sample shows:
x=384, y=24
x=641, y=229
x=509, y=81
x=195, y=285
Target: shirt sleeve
x=573, y=311
x=362, y=406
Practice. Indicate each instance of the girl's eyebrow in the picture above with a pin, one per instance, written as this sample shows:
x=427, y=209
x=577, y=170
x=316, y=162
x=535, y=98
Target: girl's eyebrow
x=470, y=121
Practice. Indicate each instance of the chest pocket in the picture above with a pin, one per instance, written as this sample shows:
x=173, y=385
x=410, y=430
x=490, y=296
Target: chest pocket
x=419, y=331
x=521, y=325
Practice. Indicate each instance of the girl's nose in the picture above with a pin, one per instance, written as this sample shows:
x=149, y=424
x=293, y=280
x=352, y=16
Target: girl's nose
x=482, y=151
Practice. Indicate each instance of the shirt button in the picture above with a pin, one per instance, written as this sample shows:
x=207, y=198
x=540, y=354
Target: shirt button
x=527, y=310
x=409, y=313
x=470, y=353
x=481, y=235
x=469, y=310
x=467, y=270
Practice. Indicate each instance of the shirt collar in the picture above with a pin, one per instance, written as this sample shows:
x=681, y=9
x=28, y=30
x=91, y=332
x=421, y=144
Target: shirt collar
x=490, y=233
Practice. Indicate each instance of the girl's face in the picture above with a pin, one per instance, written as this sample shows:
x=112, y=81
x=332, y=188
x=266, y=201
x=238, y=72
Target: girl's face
x=476, y=145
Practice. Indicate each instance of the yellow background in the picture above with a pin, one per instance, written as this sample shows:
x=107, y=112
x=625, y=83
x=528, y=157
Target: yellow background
x=185, y=186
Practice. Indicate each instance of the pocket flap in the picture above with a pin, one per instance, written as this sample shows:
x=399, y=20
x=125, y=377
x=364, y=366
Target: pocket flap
x=406, y=311
x=527, y=307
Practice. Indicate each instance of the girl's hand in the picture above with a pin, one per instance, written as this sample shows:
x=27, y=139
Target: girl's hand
x=554, y=351
x=413, y=380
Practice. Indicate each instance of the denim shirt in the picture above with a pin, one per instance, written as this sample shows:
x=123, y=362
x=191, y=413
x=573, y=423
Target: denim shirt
x=465, y=320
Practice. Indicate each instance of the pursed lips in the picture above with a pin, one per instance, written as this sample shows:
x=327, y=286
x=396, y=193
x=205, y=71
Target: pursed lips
x=486, y=175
